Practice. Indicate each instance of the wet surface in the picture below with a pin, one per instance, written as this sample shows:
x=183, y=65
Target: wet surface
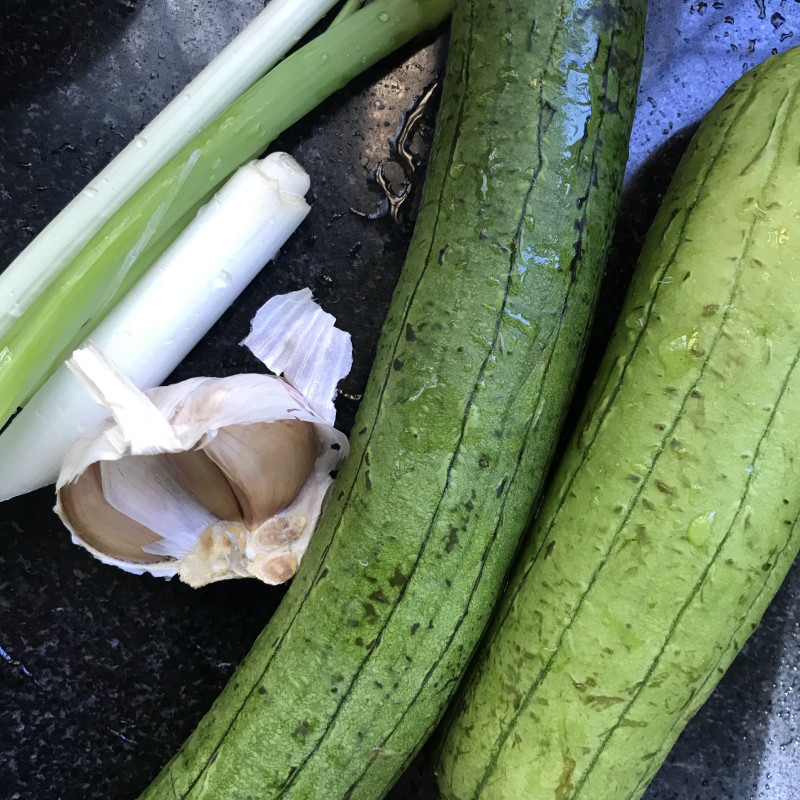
x=103, y=674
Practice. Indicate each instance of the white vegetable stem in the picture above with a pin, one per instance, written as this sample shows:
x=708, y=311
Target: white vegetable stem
x=254, y=51
x=168, y=311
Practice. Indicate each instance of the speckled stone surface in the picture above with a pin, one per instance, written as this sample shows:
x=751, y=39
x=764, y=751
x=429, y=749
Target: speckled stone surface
x=103, y=674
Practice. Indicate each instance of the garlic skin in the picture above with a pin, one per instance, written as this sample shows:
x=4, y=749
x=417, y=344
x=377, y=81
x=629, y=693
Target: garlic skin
x=210, y=478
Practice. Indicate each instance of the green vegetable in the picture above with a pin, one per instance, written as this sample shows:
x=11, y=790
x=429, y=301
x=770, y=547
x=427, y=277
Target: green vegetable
x=473, y=371
x=672, y=519
x=349, y=7
x=133, y=238
x=254, y=51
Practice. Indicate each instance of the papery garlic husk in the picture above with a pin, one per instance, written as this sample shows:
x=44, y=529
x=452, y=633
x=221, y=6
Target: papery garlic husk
x=210, y=478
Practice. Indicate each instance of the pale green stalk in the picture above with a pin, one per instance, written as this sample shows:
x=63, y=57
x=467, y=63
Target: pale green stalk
x=130, y=241
x=346, y=10
x=254, y=51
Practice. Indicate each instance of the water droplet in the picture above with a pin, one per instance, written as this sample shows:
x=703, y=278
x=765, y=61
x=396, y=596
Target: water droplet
x=140, y=142
x=323, y=58
x=508, y=75
x=695, y=493
x=635, y=321
x=90, y=191
x=455, y=170
x=700, y=528
x=519, y=320
x=383, y=17
x=638, y=468
x=223, y=279
x=217, y=163
x=677, y=353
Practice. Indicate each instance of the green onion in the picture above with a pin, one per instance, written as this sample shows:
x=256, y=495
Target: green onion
x=346, y=10
x=254, y=51
x=166, y=314
x=131, y=240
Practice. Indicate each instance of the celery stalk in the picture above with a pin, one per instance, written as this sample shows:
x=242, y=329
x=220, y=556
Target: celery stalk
x=130, y=241
x=254, y=51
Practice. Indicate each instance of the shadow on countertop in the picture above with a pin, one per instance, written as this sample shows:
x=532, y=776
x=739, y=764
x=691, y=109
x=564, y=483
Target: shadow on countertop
x=43, y=42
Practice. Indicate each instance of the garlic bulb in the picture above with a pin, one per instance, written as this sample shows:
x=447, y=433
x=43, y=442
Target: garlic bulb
x=212, y=478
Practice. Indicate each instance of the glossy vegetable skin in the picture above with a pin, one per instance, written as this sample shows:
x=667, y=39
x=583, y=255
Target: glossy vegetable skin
x=473, y=372
x=672, y=518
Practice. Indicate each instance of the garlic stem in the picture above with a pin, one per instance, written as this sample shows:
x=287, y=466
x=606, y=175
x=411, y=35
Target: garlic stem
x=165, y=314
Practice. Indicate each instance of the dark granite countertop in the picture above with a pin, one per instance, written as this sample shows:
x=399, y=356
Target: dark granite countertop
x=103, y=674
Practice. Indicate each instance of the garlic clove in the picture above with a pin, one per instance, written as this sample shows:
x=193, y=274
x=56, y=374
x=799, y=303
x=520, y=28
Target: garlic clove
x=102, y=526
x=265, y=463
x=147, y=489
x=207, y=482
